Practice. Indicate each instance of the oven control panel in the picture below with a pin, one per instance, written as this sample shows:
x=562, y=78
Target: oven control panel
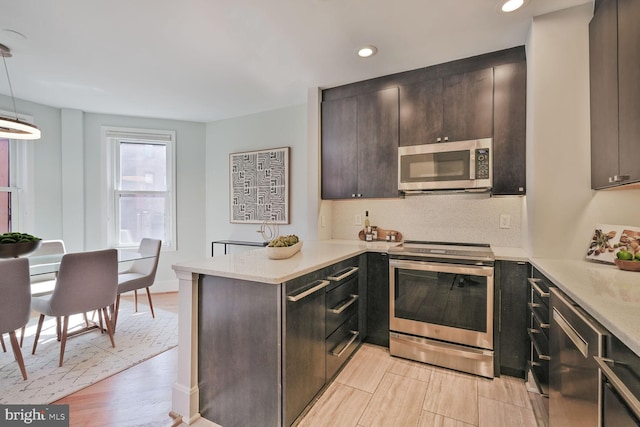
x=482, y=163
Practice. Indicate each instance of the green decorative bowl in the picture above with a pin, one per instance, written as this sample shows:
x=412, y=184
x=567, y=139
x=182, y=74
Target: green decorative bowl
x=14, y=250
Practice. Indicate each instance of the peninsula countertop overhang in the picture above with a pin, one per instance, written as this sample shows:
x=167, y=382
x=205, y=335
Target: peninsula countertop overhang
x=254, y=265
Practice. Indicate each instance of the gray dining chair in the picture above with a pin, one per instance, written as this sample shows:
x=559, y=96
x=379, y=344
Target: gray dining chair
x=15, y=302
x=86, y=281
x=141, y=274
x=43, y=284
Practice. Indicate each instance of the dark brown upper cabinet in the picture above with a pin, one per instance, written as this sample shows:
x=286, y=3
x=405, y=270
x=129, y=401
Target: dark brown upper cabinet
x=614, y=49
x=509, y=129
x=363, y=123
x=360, y=146
x=452, y=108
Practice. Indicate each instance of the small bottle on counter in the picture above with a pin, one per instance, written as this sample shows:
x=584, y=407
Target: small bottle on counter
x=374, y=232
x=393, y=236
x=368, y=236
x=388, y=237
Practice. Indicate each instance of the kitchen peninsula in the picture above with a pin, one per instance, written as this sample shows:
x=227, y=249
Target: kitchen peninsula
x=234, y=337
x=233, y=331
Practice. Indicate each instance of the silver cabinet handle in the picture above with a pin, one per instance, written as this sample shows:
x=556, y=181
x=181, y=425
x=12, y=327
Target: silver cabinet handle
x=541, y=355
x=344, y=306
x=534, y=285
x=533, y=305
x=354, y=336
x=618, y=178
x=622, y=389
x=320, y=284
x=343, y=274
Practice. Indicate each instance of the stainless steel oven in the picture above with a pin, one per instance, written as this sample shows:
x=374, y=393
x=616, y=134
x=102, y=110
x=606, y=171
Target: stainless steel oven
x=441, y=305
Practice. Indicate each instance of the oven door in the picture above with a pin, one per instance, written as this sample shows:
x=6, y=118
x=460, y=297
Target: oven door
x=447, y=302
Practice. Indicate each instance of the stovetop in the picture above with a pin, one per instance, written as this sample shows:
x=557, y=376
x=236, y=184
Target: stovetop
x=447, y=250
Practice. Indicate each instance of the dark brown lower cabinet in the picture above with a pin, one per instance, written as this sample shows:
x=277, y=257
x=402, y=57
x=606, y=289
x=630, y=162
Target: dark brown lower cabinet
x=513, y=340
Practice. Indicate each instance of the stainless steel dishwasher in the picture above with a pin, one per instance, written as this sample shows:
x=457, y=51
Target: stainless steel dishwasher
x=575, y=384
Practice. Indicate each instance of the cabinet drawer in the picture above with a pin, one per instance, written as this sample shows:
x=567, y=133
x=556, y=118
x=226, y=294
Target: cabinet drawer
x=342, y=303
x=540, y=312
x=341, y=344
x=541, y=281
x=540, y=343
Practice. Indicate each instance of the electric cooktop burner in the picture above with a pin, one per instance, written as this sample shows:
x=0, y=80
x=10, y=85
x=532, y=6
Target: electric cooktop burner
x=447, y=250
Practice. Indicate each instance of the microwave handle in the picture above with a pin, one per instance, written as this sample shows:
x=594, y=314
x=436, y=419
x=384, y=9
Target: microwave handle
x=472, y=164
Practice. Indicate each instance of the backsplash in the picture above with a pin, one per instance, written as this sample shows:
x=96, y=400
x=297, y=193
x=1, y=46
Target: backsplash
x=447, y=217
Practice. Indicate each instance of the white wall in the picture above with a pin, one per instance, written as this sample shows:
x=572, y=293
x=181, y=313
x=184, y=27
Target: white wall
x=286, y=127
x=190, y=188
x=67, y=181
x=451, y=217
x=562, y=208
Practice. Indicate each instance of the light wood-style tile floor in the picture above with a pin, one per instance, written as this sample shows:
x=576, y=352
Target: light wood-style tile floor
x=375, y=389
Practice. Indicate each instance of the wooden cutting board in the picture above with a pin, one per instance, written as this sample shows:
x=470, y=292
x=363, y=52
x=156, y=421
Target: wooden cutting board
x=382, y=235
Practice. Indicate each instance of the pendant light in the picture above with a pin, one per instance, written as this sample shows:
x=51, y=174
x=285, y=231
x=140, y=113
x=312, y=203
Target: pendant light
x=9, y=127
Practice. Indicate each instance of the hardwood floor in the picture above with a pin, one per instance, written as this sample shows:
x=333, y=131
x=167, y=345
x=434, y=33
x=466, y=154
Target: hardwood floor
x=138, y=396
x=374, y=389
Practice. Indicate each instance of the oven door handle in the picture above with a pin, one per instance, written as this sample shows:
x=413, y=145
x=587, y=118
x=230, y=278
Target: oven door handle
x=474, y=270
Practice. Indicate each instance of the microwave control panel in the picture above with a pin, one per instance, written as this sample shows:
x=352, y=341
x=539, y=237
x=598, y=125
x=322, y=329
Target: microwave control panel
x=482, y=163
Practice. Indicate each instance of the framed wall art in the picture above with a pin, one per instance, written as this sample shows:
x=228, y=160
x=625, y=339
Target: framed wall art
x=260, y=186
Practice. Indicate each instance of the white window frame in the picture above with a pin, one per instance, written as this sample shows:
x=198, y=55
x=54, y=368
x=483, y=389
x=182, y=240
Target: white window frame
x=21, y=178
x=112, y=137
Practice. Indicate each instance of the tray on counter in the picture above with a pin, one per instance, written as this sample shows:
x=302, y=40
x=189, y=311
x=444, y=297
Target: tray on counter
x=382, y=235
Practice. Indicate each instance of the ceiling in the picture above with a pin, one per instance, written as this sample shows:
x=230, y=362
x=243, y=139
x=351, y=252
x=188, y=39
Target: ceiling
x=206, y=60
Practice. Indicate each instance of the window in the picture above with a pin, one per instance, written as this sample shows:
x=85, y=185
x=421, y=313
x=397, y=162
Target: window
x=5, y=186
x=143, y=192
x=14, y=178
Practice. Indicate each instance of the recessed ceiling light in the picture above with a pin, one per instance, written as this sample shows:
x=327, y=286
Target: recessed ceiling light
x=367, y=51
x=512, y=5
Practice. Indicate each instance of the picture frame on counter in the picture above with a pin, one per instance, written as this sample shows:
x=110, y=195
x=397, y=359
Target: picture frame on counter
x=259, y=182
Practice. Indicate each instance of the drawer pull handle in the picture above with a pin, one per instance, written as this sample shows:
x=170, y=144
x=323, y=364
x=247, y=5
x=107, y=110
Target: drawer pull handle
x=537, y=288
x=344, y=306
x=320, y=284
x=343, y=274
x=541, y=355
x=354, y=336
x=532, y=307
x=619, y=385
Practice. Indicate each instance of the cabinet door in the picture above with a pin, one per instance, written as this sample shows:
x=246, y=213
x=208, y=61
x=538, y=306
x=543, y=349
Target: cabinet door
x=339, y=148
x=378, y=299
x=509, y=129
x=305, y=351
x=468, y=105
x=629, y=88
x=603, y=60
x=378, y=143
x=514, y=343
x=421, y=112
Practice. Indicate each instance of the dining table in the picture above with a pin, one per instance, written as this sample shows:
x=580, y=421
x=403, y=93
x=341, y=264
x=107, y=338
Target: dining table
x=42, y=268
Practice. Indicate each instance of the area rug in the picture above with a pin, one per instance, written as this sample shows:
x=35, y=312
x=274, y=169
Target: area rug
x=88, y=358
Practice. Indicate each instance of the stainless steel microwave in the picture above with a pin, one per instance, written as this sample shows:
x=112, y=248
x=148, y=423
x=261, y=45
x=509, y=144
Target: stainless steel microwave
x=454, y=166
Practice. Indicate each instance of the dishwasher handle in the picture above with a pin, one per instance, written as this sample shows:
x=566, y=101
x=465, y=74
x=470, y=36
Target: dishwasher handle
x=315, y=286
x=620, y=387
x=580, y=343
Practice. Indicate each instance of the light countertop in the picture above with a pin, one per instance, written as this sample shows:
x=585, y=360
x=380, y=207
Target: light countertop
x=254, y=265
x=610, y=295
